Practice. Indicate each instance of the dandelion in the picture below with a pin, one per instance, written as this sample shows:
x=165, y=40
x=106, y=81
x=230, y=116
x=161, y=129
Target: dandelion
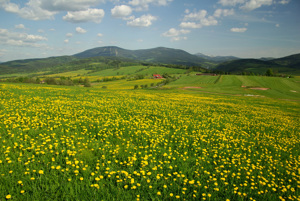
x=8, y=196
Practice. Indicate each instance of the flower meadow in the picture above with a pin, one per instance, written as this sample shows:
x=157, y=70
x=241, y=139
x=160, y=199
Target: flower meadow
x=72, y=143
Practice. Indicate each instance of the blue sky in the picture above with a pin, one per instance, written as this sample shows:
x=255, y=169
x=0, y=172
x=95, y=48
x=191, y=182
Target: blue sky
x=243, y=28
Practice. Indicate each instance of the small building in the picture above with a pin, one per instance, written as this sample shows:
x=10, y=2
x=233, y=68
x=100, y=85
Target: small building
x=157, y=76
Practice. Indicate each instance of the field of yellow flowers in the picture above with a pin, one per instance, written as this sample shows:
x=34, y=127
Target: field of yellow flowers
x=71, y=143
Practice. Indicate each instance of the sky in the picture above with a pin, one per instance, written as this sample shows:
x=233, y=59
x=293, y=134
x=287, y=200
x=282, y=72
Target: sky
x=242, y=28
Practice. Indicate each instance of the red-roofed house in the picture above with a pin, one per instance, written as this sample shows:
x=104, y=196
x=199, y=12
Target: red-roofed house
x=157, y=76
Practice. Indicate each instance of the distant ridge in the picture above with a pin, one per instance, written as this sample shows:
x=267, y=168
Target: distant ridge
x=217, y=59
x=113, y=56
x=154, y=55
x=289, y=64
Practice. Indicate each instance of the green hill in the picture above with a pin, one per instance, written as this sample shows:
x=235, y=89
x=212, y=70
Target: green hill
x=160, y=55
x=104, y=58
x=34, y=65
x=292, y=61
x=285, y=65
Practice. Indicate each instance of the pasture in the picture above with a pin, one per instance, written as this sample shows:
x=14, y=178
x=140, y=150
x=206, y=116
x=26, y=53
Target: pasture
x=76, y=143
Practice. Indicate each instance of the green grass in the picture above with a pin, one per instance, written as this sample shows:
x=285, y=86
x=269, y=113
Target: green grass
x=75, y=73
x=118, y=71
x=280, y=88
x=124, y=84
x=22, y=74
x=75, y=143
x=193, y=80
x=162, y=70
x=143, y=70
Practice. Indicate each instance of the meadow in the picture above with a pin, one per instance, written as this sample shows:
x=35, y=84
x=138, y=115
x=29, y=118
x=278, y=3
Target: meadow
x=76, y=143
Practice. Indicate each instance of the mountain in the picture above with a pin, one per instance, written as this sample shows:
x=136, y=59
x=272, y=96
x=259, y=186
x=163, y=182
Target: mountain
x=216, y=59
x=160, y=55
x=109, y=57
x=284, y=65
x=34, y=65
x=266, y=58
x=292, y=61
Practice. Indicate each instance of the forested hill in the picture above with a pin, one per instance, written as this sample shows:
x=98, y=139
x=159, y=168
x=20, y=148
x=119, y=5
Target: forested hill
x=161, y=55
x=284, y=65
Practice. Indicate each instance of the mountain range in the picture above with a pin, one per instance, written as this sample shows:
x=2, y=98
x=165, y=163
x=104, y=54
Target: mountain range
x=160, y=55
x=284, y=65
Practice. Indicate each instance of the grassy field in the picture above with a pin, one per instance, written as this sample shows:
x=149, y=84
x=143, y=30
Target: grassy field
x=75, y=73
x=143, y=70
x=76, y=143
x=275, y=87
x=124, y=84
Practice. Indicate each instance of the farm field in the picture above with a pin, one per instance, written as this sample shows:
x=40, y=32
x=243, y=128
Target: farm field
x=144, y=70
x=273, y=87
x=76, y=143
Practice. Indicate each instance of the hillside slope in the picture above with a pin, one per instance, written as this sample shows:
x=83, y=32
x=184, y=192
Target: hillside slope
x=154, y=55
x=285, y=65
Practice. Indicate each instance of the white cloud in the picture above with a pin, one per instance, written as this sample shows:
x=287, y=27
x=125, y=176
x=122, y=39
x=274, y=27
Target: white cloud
x=175, y=34
x=80, y=30
x=223, y=12
x=143, y=21
x=41, y=31
x=31, y=11
x=284, y=1
x=230, y=2
x=69, y=34
x=190, y=25
x=46, y=9
x=20, y=26
x=68, y=5
x=209, y=21
x=20, y=39
x=66, y=41
x=33, y=38
x=178, y=38
x=91, y=14
x=254, y=4
x=250, y=5
x=239, y=30
x=121, y=11
x=196, y=15
x=99, y=35
x=144, y=4
x=199, y=19
x=277, y=25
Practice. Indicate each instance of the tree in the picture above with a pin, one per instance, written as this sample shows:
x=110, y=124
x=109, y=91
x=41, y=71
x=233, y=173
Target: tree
x=269, y=72
x=86, y=83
